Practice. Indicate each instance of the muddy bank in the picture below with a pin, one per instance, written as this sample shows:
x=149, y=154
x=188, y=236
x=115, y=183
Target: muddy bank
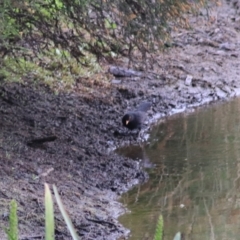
x=67, y=139
x=64, y=140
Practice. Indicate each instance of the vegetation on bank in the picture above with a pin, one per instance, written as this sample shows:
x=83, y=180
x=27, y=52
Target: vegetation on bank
x=57, y=41
x=12, y=230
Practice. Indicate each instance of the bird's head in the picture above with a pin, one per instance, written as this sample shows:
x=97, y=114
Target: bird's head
x=127, y=118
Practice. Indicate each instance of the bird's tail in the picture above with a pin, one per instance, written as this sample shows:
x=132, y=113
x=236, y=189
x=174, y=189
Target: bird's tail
x=144, y=106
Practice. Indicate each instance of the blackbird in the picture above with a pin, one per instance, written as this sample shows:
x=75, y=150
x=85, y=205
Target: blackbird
x=135, y=119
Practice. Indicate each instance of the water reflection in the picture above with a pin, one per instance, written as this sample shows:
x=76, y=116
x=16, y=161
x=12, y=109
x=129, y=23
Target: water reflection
x=196, y=181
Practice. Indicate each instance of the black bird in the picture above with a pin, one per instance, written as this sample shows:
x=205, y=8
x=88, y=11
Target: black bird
x=135, y=119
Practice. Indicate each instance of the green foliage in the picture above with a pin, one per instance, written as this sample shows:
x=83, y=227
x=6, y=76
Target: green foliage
x=65, y=215
x=109, y=24
x=57, y=69
x=8, y=25
x=159, y=229
x=143, y=25
x=47, y=8
x=56, y=40
x=12, y=231
x=49, y=215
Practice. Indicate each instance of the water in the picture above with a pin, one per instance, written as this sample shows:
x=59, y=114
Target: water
x=195, y=184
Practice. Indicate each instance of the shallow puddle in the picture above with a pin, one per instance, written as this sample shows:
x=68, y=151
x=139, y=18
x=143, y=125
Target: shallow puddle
x=195, y=183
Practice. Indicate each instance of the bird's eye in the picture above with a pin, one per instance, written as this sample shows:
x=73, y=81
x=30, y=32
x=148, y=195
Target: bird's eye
x=127, y=121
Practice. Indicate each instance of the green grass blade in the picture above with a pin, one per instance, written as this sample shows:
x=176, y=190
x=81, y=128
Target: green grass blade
x=159, y=229
x=12, y=231
x=65, y=215
x=49, y=214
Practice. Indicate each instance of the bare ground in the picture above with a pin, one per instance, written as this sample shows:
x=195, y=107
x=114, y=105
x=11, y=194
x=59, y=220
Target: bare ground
x=68, y=139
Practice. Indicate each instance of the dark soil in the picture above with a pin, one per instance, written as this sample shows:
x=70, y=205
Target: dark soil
x=68, y=139
x=63, y=140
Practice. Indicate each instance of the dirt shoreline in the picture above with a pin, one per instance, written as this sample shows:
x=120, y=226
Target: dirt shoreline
x=68, y=139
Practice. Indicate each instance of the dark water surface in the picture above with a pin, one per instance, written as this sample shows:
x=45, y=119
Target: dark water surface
x=195, y=184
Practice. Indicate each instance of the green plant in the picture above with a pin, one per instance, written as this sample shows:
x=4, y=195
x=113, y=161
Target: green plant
x=49, y=214
x=65, y=215
x=159, y=229
x=141, y=25
x=12, y=231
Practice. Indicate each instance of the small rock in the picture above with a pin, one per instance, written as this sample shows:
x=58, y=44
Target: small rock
x=227, y=46
x=116, y=81
x=188, y=80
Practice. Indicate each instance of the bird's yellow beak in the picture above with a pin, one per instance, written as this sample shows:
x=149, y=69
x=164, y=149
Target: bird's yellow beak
x=127, y=122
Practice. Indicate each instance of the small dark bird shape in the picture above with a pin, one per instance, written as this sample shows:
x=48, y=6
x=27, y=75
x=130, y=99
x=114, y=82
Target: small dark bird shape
x=135, y=119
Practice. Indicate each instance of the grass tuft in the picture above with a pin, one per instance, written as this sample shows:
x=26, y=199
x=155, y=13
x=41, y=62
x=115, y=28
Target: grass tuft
x=12, y=231
x=159, y=229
